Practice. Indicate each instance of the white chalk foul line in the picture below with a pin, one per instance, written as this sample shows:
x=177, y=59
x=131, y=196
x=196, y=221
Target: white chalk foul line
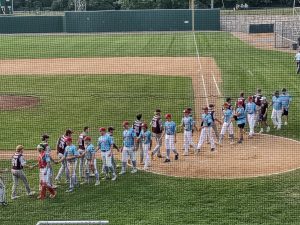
x=217, y=87
x=200, y=69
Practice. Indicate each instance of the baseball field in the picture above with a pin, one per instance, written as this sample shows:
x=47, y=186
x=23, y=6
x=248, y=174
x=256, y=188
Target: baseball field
x=72, y=81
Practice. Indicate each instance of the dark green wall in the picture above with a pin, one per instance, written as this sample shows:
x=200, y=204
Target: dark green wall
x=113, y=21
x=31, y=24
x=141, y=20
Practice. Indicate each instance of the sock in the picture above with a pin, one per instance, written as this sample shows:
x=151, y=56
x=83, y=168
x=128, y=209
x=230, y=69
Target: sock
x=231, y=136
x=168, y=153
x=134, y=164
x=124, y=166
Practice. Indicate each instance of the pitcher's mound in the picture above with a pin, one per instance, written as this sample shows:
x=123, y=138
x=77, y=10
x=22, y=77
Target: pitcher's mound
x=12, y=102
x=261, y=156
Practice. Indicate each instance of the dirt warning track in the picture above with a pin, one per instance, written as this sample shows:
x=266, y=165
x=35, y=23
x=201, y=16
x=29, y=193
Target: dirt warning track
x=263, y=155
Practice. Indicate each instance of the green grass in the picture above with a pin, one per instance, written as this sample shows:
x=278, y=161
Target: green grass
x=95, y=101
x=145, y=198
x=107, y=100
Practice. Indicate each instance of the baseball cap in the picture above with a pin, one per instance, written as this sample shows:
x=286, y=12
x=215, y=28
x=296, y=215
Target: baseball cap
x=168, y=115
x=45, y=136
x=211, y=105
x=276, y=93
x=102, y=129
x=144, y=125
x=68, y=139
x=157, y=111
x=87, y=138
x=283, y=90
x=186, y=111
x=110, y=129
x=125, y=123
x=205, y=108
x=250, y=98
x=240, y=103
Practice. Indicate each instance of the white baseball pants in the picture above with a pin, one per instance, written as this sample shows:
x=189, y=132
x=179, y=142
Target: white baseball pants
x=128, y=153
x=147, y=157
x=251, y=122
x=187, y=141
x=106, y=158
x=2, y=191
x=276, y=118
x=227, y=127
x=206, y=132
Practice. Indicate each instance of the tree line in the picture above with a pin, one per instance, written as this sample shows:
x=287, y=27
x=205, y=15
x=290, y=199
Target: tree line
x=63, y=5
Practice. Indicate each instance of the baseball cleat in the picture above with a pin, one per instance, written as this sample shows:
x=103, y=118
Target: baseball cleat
x=134, y=170
x=97, y=183
x=167, y=160
x=285, y=123
x=114, y=177
x=159, y=156
x=176, y=156
x=212, y=149
x=69, y=190
x=261, y=130
x=31, y=193
x=268, y=129
x=52, y=196
x=122, y=172
x=3, y=203
x=15, y=197
x=240, y=141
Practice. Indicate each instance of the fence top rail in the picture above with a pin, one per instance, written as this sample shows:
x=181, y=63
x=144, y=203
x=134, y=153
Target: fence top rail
x=73, y=222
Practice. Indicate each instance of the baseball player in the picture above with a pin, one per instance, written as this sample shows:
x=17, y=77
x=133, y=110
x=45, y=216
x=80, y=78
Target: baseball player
x=145, y=137
x=90, y=161
x=241, y=99
x=70, y=156
x=227, y=123
x=81, y=150
x=157, y=129
x=228, y=101
x=297, y=60
x=111, y=133
x=128, y=148
x=60, y=148
x=211, y=111
x=286, y=100
x=137, y=127
x=45, y=140
x=187, y=123
x=257, y=100
x=240, y=119
x=277, y=110
x=105, y=145
x=263, y=116
x=170, y=137
x=18, y=163
x=2, y=189
x=251, y=112
x=206, y=130
x=45, y=172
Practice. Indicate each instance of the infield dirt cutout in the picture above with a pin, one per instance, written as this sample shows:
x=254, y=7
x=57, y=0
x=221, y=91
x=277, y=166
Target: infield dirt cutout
x=13, y=102
x=262, y=155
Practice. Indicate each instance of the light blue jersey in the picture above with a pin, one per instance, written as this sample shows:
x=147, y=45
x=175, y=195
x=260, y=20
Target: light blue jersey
x=128, y=138
x=285, y=100
x=250, y=108
x=228, y=114
x=170, y=127
x=105, y=142
x=90, y=152
x=206, y=119
x=145, y=136
x=277, y=104
x=188, y=123
x=71, y=151
x=242, y=115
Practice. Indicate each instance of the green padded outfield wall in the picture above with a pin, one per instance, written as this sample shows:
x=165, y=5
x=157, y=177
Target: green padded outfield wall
x=31, y=24
x=141, y=20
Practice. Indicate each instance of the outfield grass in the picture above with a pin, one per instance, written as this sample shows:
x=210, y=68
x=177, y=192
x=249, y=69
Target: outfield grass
x=146, y=198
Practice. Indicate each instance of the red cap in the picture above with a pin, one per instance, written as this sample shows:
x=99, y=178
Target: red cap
x=226, y=104
x=87, y=138
x=68, y=139
x=102, y=129
x=186, y=111
x=125, y=123
x=168, y=116
x=144, y=125
x=205, y=108
x=250, y=98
